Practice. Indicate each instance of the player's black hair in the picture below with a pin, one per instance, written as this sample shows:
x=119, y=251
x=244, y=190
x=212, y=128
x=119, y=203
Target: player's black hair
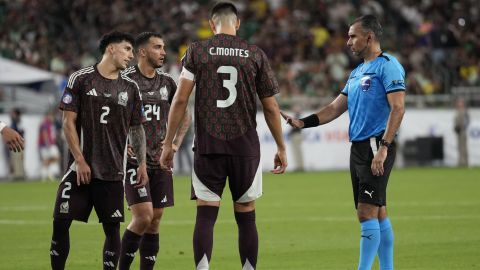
x=370, y=23
x=114, y=37
x=223, y=7
x=143, y=38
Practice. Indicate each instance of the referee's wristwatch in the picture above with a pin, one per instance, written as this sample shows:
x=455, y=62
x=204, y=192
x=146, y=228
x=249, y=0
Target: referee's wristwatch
x=384, y=142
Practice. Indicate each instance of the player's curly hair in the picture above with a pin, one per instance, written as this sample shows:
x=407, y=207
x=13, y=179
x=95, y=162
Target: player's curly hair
x=370, y=23
x=114, y=37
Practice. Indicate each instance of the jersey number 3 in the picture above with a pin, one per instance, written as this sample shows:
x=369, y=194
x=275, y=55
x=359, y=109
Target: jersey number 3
x=230, y=85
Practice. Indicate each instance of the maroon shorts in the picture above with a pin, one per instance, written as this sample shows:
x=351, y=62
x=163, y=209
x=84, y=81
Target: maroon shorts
x=76, y=202
x=159, y=189
x=210, y=174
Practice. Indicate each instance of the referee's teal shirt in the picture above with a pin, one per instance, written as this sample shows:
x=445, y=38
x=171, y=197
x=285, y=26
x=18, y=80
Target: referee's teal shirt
x=366, y=90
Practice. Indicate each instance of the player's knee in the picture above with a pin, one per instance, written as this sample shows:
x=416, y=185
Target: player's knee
x=367, y=211
x=144, y=219
x=244, y=207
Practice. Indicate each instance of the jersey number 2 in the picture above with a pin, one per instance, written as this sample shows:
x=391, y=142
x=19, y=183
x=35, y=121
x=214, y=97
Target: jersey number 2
x=230, y=85
x=106, y=111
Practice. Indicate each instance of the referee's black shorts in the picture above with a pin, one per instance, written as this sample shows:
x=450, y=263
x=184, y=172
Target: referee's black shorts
x=368, y=188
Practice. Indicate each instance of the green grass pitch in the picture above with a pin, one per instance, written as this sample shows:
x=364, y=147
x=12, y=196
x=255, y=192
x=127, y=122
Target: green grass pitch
x=305, y=221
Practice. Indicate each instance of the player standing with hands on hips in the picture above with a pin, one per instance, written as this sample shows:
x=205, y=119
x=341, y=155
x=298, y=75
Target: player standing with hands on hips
x=374, y=97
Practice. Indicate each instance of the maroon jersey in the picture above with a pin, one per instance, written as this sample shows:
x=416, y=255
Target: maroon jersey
x=106, y=109
x=157, y=94
x=229, y=75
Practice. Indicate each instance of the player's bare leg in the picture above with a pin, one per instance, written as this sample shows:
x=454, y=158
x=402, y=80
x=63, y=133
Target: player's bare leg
x=142, y=214
x=150, y=243
x=247, y=234
x=207, y=213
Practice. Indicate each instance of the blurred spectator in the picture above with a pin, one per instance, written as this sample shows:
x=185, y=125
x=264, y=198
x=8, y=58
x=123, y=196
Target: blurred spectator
x=15, y=159
x=438, y=47
x=185, y=153
x=47, y=144
x=462, y=119
x=296, y=139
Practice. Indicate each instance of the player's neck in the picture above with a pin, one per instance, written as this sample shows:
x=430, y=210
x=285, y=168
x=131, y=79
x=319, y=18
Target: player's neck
x=227, y=30
x=146, y=69
x=373, y=53
x=107, y=69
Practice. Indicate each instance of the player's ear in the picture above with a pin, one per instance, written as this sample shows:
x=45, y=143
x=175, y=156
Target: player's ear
x=212, y=26
x=237, y=26
x=110, y=48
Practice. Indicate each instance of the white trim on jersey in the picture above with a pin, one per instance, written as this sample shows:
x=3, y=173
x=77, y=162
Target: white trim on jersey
x=201, y=191
x=255, y=190
x=187, y=75
x=128, y=70
x=74, y=75
x=161, y=72
x=125, y=77
x=125, y=157
x=67, y=173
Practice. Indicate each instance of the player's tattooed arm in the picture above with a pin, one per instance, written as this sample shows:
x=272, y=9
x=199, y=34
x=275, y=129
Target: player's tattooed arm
x=138, y=142
x=139, y=145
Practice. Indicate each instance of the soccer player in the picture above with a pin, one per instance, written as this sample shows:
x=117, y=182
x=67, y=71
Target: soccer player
x=12, y=139
x=229, y=74
x=374, y=97
x=157, y=90
x=100, y=109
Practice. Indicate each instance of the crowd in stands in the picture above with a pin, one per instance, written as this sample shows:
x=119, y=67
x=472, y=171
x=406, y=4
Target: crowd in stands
x=436, y=41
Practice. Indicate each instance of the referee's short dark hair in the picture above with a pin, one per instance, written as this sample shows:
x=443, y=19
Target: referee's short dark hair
x=143, y=38
x=370, y=23
x=114, y=37
x=223, y=7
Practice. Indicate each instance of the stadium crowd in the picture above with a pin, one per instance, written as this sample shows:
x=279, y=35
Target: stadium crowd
x=436, y=41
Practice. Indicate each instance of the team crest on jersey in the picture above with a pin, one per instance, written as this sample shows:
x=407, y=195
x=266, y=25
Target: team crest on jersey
x=67, y=98
x=142, y=192
x=64, y=207
x=365, y=83
x=164, y=93
x=123, y=98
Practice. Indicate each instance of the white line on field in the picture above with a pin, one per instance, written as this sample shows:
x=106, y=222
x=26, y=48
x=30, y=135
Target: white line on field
x=266, y=220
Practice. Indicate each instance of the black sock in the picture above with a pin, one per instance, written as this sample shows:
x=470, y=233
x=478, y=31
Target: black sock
x=60, y=245
x=130, y=243
x=203, y=235
x=111, y=247
x=247, y=238
x=149, y=247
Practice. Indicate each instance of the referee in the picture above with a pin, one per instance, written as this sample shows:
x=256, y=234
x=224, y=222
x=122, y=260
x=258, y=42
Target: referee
x=374, y=97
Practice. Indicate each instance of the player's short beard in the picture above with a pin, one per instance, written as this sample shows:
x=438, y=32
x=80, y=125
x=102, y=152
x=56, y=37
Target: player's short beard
x=153, y=63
